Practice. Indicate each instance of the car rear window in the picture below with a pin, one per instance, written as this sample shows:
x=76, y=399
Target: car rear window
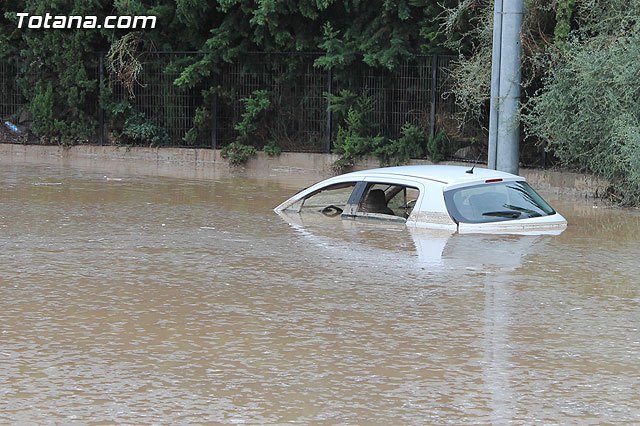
x=493, y=202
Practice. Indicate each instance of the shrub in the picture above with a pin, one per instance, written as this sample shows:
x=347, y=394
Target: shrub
x=410, y=145
x=272, y=150
x=41, y=108
x=254, y=107
x=589, y=111
x=132, y=127
x=141, y=131
x=438, y=147
x=199, y=120
x=238, y=153
x=354, y=139
x=357, y=137
x=191, y=136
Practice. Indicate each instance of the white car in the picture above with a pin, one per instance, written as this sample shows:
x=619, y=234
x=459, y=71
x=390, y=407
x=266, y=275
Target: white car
x=455, y=198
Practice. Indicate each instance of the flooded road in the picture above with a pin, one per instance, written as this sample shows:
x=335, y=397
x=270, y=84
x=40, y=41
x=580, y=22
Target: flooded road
x=143, y=299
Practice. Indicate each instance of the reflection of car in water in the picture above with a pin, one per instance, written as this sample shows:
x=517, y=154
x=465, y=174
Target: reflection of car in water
x=452, y=198
x=432, y=249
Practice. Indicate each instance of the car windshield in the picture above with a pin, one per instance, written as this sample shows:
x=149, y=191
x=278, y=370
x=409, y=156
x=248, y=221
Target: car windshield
x=493, y=202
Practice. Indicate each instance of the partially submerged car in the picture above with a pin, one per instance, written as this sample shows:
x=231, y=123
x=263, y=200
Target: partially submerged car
x=455, y=198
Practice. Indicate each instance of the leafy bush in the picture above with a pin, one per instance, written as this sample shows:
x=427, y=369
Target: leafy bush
x=438, y=147
x=238, y=153
x=132, y=127
x=272, y=150
x=56, y=73
x=354, y=140
x=199, y=120
x=357, y=137
x=139, y=130
x=191, y=136
x=410, y=145
x=47, y=122
x=254, y=107
x=41, y=108
x=589, y=111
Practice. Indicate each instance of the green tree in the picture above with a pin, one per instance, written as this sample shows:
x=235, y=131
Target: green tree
x=58, y=78
x=379, y=33
x=469, y=28
x=589, y=109
x=580, y=68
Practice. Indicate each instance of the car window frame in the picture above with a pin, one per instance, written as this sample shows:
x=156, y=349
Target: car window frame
x=353, y=208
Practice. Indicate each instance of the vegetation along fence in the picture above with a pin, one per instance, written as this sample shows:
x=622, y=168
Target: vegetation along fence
x=280, y=99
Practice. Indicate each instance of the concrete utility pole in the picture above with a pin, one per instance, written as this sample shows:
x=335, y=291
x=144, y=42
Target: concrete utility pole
x=504, y=120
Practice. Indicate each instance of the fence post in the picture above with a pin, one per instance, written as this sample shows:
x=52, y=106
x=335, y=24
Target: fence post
x=214, y=121
x=327, y=136
x=434, y=92
x=100, y=97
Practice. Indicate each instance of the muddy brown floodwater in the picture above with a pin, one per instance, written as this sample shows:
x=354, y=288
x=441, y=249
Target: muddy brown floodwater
x=127, y=298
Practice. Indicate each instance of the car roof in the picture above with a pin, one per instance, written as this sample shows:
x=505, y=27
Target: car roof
x=442, y=173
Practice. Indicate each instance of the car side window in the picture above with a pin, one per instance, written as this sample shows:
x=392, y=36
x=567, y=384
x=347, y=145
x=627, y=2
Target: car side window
x=331, y=199
x=404, y=201
x=392, y=200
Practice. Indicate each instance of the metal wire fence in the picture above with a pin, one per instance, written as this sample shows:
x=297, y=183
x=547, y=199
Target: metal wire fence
x=11, y=101
x=298, y=117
